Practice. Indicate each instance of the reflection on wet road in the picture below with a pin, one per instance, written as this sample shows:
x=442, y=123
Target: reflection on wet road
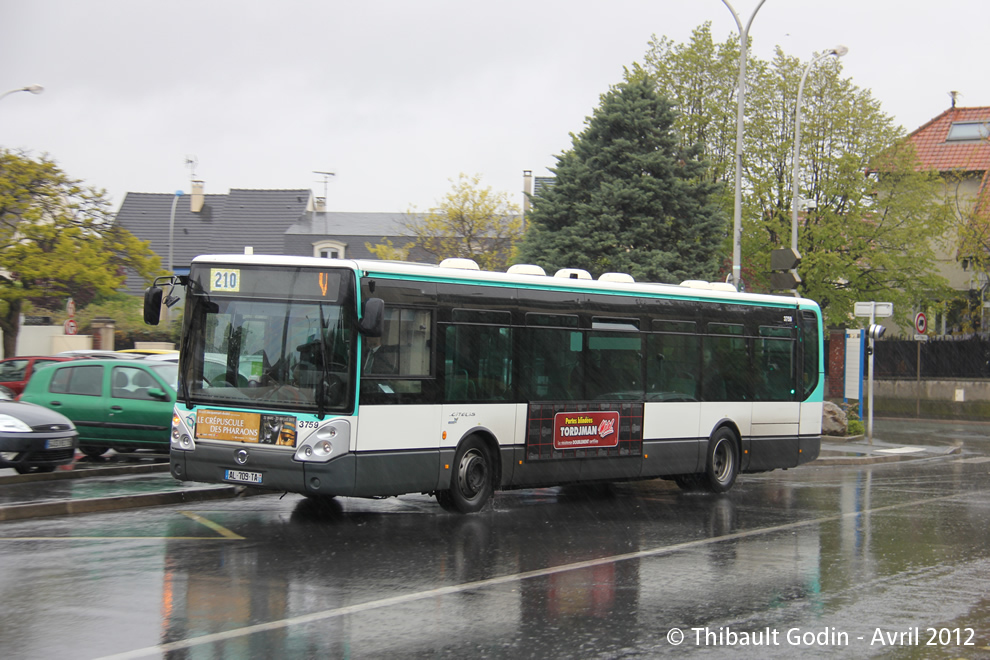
x=851, y=562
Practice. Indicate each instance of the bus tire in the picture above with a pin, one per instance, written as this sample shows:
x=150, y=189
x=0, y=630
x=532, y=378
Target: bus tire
x=722, y=464
x=473, y=479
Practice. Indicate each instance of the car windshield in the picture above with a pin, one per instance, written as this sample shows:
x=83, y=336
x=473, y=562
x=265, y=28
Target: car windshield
x=280, y=354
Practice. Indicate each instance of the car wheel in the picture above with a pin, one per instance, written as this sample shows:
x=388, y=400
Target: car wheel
x=93, y=451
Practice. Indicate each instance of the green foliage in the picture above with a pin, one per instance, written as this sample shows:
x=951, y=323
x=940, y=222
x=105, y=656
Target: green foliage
x=58, y=240
x=864, y=235
x=627, y=197
x=469, y=222
x=388, y=252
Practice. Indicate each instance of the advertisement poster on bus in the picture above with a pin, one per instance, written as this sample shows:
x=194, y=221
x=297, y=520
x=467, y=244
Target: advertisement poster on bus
x=573, y=430
x=237, y=426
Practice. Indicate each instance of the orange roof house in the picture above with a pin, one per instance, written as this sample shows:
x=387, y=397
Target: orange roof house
x=956, y=144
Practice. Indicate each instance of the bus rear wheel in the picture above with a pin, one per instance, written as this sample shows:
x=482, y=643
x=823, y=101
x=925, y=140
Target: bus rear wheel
x=722, y=464
x=473, y=479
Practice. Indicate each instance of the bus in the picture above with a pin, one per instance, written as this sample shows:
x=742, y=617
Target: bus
x=335, y=377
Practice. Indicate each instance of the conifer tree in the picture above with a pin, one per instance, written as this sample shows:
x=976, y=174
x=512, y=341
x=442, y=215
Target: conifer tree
x=627, y=197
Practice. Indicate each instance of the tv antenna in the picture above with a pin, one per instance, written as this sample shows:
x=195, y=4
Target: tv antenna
x=191, y=163
x=326, y=182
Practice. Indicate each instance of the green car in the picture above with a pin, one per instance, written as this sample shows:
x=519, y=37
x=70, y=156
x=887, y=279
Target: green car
x=119, y=404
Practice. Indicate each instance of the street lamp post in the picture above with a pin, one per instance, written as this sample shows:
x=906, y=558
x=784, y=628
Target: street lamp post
x=838, y=51
x=34, y=89
x=740, y=119
x=171, y=234
x=171, y=228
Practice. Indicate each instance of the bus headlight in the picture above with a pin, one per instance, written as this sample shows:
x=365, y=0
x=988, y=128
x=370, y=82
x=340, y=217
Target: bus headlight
x=328, y=441
x=183, y=430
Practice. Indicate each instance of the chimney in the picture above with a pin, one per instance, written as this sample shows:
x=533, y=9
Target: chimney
x=196, y=199
x=320, y=204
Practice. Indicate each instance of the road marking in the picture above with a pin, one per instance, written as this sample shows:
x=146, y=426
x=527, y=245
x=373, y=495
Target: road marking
x=279, y=624
x=219, y=529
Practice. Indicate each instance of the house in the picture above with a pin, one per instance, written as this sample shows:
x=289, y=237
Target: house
x=956, y=144
x=286, y=222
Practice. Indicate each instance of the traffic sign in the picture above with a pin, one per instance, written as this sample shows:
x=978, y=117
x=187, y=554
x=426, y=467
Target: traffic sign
x=784, y=259
x=787, y=280
x=874, y=309
x=69, y=327
x=70, y=307
x=921, y=323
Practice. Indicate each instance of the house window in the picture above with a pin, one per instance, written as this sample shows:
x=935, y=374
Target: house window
x=967, y=130
x=329, y=250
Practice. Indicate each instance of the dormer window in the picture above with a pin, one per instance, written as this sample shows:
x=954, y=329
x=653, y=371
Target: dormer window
x=962, y=131
x=329, y=249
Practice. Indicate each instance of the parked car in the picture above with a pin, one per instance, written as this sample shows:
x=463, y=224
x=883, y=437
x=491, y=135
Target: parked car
x=15, y=372
x=33, y=438
x=119, y=404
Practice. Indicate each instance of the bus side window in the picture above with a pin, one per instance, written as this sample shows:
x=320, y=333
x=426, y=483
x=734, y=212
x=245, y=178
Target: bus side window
x=728, y=372
x=552, y=362
x=775, y=360
x=400, y=361
x=551, y=355
x=672, y=361
x=478, y=358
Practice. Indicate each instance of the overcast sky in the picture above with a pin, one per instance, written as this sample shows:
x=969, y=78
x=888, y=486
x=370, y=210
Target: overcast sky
x=396, y=97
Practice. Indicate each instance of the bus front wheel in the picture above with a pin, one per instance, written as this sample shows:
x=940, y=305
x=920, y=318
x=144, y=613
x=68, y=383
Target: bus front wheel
x=472, y=480
x=722, y=464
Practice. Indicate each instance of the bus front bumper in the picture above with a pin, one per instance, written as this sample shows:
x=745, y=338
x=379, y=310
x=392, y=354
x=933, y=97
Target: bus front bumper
x=271, y=468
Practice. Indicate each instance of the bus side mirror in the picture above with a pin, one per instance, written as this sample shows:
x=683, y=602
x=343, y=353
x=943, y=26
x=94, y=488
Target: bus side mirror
x=372, y=321
x=152, y=305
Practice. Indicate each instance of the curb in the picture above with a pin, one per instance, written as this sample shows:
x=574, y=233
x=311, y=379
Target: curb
x=118, y=503
x=82, y=474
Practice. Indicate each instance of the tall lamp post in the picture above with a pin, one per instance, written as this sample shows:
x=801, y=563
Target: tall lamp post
x=838, y=51
x=34, y=89
x=740, y=119
x=171, y=233
x=171, y=228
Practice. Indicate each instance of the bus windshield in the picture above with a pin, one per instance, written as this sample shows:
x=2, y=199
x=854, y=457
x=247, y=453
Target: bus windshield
x=279, y=354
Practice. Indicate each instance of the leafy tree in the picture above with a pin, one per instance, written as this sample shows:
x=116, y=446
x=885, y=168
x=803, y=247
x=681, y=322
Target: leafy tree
x=469, y=222
x=872, y=220
x=627, y=196
x=388, y=252
x=700, y=77
x=57, y=239
x=966, y=195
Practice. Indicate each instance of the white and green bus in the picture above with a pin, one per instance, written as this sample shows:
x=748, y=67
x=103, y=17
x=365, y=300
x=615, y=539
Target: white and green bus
x=333, y=377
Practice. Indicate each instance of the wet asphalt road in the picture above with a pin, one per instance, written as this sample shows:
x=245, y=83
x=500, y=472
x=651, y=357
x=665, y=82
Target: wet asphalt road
x=820, y=561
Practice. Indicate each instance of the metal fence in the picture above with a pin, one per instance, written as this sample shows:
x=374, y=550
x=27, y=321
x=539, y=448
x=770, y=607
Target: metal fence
x=937, y=359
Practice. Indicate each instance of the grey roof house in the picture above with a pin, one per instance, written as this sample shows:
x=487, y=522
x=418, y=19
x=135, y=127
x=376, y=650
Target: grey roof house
x=269, y=221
